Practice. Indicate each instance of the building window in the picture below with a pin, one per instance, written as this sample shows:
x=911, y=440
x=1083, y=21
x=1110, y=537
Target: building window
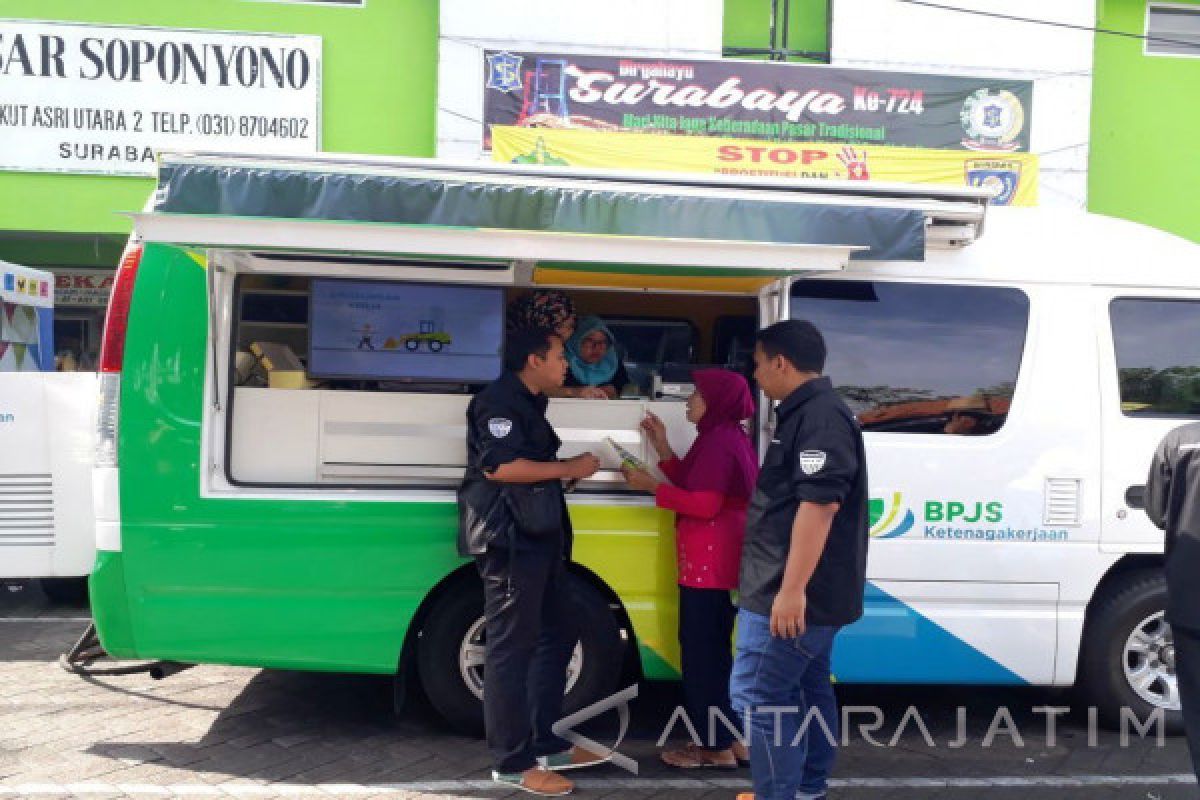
x=919, y=358
x=1172, y=30
x=1158, y=356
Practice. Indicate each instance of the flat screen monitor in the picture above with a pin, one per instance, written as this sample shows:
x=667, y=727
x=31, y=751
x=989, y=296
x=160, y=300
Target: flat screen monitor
x=405, y=331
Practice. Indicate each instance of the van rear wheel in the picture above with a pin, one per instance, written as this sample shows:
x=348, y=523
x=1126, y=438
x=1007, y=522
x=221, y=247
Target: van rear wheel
x=451, y=648
x=1128, y=656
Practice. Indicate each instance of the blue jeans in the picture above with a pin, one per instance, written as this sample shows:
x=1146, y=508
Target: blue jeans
x=775, y=683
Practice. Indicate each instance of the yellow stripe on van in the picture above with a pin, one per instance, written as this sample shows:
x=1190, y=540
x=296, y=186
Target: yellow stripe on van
x=686, y=283
x=199, y=257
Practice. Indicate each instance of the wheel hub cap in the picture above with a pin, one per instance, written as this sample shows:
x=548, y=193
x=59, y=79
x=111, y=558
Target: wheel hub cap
x=1149, y=662
x=471, y=657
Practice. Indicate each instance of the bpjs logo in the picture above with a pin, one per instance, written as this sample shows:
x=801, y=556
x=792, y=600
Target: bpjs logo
x=890, y=517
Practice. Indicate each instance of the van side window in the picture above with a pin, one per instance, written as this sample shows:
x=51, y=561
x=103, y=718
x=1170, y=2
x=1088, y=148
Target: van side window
x=919, y=358
x=1158, y=356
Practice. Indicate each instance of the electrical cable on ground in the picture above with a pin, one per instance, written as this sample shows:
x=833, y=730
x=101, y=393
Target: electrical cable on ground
x=87, y=650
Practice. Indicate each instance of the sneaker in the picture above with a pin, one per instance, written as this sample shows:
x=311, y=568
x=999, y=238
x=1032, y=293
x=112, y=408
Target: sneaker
x=537, y=781
x=575, y=758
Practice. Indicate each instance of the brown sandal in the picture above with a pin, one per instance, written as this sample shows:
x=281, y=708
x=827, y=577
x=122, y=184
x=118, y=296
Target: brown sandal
x=741, y=753
x=692, y=757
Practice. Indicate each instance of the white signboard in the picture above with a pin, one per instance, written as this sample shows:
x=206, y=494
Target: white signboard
x=103, y=99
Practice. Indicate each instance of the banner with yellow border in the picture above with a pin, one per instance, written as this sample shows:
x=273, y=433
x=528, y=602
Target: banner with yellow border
x=1014, y=176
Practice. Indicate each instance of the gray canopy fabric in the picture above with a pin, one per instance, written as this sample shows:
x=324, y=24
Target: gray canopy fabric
x=456, y=196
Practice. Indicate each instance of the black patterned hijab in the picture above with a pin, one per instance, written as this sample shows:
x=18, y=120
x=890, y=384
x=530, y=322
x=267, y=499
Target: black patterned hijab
x=545, y=308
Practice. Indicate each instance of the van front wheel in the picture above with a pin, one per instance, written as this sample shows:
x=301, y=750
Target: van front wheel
x=450, y=654
x=1128, y=656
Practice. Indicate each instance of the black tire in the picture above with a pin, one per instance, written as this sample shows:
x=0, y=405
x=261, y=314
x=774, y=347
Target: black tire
x=66, y=591
x=435, y=347
x=449, y=622
x=1125, y=604
x=412, y=345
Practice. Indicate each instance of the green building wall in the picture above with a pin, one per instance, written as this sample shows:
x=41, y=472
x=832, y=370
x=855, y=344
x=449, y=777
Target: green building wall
x=748, y=24
x=1144, y=164
x=378, y=95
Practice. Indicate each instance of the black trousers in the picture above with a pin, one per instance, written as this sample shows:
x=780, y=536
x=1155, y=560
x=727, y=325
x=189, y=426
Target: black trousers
x=1187, y=670
x=706, y=619
x=531, y=627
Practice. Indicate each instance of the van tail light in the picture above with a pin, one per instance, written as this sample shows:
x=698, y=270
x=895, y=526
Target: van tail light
x=116, y=322
x=112, y=356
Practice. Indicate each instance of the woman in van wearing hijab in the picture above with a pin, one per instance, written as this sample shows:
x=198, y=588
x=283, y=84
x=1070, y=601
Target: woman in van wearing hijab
x=594, y=362
x=709, y=490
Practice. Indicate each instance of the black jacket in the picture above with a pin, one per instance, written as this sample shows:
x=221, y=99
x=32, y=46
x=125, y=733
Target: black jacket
x=816, y=455
x=505, y=422
x=1173, y=504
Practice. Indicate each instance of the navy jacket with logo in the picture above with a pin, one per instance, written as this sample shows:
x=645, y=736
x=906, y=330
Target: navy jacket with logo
x=816, y=455
x=505, y=422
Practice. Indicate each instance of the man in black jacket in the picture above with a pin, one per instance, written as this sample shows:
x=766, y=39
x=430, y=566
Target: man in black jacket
x=804, y=567
x=1173, y=503
x=513, y=520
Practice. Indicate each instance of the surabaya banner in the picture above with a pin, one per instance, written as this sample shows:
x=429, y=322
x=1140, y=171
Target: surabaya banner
x=756, y=100
x=1013, y=176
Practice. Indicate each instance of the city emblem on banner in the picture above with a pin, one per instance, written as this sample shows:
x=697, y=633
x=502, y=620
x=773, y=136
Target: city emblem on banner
x=992, y=120
x=1001, y=176
x=504, y=71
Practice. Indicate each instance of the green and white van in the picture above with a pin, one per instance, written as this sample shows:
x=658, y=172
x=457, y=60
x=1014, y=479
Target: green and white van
x=313, y=527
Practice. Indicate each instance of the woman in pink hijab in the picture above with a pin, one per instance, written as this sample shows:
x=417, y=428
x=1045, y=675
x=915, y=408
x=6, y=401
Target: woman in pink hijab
x=709, y=490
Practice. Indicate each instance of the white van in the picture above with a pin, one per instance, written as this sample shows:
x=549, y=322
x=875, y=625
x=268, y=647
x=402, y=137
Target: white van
x=46, y=444
x=1013, y=370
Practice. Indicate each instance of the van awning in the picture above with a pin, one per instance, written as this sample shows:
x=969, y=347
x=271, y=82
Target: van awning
x=576, y=226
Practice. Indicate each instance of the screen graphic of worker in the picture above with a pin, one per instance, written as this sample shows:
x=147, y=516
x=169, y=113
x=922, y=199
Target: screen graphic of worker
x=386, y=330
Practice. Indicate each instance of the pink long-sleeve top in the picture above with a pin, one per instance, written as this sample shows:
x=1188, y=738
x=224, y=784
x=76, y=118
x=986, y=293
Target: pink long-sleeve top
x=710, y=487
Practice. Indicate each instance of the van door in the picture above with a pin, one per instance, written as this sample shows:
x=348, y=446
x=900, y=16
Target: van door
x=976, y=415
x=1149, y=344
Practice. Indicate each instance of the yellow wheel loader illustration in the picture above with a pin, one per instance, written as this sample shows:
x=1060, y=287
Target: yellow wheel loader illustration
x=433, y=339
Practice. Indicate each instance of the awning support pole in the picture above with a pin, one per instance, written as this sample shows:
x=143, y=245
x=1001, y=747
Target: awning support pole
x=211, y=280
